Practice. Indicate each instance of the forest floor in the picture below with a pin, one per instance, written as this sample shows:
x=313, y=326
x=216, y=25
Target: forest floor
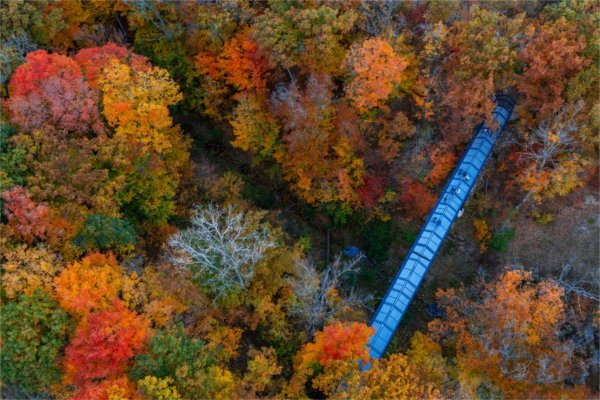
x=571, y=237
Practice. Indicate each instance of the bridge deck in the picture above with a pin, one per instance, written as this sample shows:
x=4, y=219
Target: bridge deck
x=430, y=239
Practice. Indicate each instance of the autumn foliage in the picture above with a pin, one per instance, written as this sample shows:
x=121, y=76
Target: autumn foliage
x=50, y=89
x=175, y=177
x=119, y=388
x=242, y=63
x=515, y=320
x=371, y=191
x=255, y=130
x=26, y=269
x=318, y=159
x=337, y=341
x=482, y=234
x=80, y=166
x=103, y=344
x=377, y=69
x=417, y=198
x=395, y=377
x=29, y=221
x=135, y=103
x=483, y=52
x=552, y=57
x=94, y=59
x=307, y=37
x=92, y=284
x=336, y=347
x=442, y=160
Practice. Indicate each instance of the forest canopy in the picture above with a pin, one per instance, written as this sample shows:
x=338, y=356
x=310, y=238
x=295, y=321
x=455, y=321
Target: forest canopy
x=209, y=199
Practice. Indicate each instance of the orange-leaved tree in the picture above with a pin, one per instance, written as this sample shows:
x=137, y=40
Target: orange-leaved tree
x=242, y=63
x=336, y=347
x=93, y=284
x=551, y=57
x=507, y=336
x=318, y=152
x=442, y=161
x=338, y=341
x=377, y=70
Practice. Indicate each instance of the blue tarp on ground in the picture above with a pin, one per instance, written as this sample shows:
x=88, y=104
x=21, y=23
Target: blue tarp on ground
x=351, y=251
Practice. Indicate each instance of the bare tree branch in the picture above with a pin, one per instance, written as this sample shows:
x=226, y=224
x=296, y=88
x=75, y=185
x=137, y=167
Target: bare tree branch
x=12, y=53
x=576, y=286
x=317, y=292
x=222, y=247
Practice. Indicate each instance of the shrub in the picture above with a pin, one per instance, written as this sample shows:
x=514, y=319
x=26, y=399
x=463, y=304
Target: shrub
x=101, y=232
x=377, y=238
x=501, y=238
x=542, y=219
x=34, y=330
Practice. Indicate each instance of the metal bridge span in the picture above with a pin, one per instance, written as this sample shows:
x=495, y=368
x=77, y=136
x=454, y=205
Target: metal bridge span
x=430, y=239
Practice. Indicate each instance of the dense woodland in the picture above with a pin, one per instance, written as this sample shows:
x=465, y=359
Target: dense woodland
x=179, y=178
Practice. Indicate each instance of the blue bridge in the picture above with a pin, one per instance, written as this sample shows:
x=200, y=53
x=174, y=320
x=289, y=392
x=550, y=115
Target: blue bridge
x=428, y=243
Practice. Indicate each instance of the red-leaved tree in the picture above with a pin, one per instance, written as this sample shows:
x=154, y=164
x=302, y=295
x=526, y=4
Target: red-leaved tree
x=29, y=221
x=371, y=191
x=49, y=89
x=416, y=197
x=93, y=59
x=104, y=342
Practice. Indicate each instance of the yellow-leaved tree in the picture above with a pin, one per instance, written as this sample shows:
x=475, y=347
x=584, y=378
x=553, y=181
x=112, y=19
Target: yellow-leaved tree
x=254, y=128
x=136, y=103
x=27, y=269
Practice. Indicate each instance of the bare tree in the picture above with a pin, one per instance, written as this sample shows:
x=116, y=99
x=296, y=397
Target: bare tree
x=551, y=141
x=379, y=17
x=578, y=286
x=149, y=11
x=317, y=292
x=553, y=136
x=12, y=53
x=582, y=328
x=222, y=247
